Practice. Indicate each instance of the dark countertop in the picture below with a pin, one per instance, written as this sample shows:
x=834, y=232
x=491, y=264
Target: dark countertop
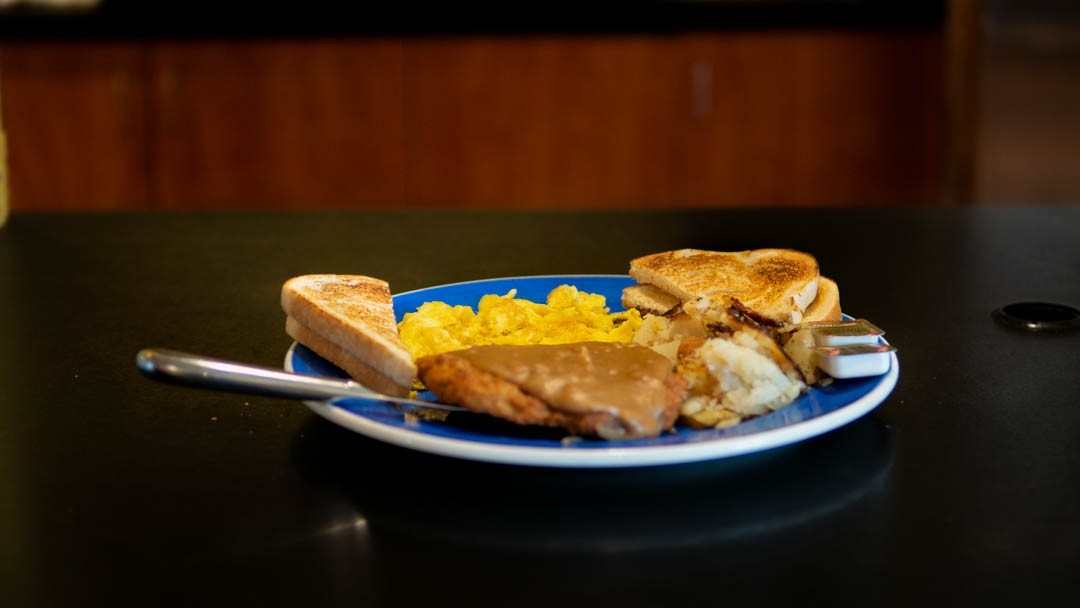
x=116, y=490
x=137, y=19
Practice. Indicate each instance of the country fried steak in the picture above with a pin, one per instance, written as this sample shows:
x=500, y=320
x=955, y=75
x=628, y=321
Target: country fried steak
x=610, y=390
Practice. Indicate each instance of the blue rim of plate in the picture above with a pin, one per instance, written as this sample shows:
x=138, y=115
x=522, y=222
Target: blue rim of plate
x=819, y=411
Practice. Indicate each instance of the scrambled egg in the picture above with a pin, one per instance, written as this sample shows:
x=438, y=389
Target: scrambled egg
x=568, y=316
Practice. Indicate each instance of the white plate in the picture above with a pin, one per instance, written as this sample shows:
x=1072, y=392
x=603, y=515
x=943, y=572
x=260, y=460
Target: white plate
x=819, y=411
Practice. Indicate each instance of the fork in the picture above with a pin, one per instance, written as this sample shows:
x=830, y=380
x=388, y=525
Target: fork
x=188, y=369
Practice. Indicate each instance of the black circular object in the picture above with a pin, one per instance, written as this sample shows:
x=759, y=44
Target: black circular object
x=1038, y=316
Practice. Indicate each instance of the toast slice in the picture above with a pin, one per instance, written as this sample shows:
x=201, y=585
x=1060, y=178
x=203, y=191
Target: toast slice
x=799, y=344
x=356, y=367
x=648, y=299
x=356, y=314
x=826, y=306
x=776, y=284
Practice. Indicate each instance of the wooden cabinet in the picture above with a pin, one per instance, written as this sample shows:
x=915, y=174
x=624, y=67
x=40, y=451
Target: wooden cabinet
x=546, y=121
x=282, y=124
x=77, y=125
x=709, y=118
x=817, y=118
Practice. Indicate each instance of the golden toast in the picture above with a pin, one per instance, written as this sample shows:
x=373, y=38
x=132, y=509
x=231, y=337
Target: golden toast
x=349, y=319
x=776, y=284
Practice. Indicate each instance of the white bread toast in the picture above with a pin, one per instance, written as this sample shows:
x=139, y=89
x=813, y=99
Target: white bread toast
x=354, y=366
x=799, y=344
x=826, y=306
x=776, y=284
x=355, y=313
x=648, y=299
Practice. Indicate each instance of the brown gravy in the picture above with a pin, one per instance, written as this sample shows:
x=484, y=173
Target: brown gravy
x=624, y=380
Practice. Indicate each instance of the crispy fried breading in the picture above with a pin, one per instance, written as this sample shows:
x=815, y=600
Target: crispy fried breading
x=456, y=380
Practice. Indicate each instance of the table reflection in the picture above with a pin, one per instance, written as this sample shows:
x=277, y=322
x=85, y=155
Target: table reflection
x=402, y=494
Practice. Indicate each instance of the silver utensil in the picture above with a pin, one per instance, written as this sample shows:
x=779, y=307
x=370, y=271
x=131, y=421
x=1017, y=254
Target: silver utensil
x=189, y=369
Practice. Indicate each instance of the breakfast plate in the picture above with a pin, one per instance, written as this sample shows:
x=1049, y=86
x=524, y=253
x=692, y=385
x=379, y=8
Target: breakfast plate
x=819, y=411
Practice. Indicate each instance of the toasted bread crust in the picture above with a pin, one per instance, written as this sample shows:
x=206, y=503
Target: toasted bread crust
x=354, y=312
x=826, y=306
x=777, y=284
x=357, y=369
x=648, y=299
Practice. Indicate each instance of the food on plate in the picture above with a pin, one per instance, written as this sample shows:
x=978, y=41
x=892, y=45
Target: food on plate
x=734, y=365
x=607, y=389
x=708, y=338
x=826, y=305
x=356, y=367
x=781, y=288
x=349, y=320
x=799, y=342
x=774, y=285
x=568, y=315
x=648, y=299
x=799, y=345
